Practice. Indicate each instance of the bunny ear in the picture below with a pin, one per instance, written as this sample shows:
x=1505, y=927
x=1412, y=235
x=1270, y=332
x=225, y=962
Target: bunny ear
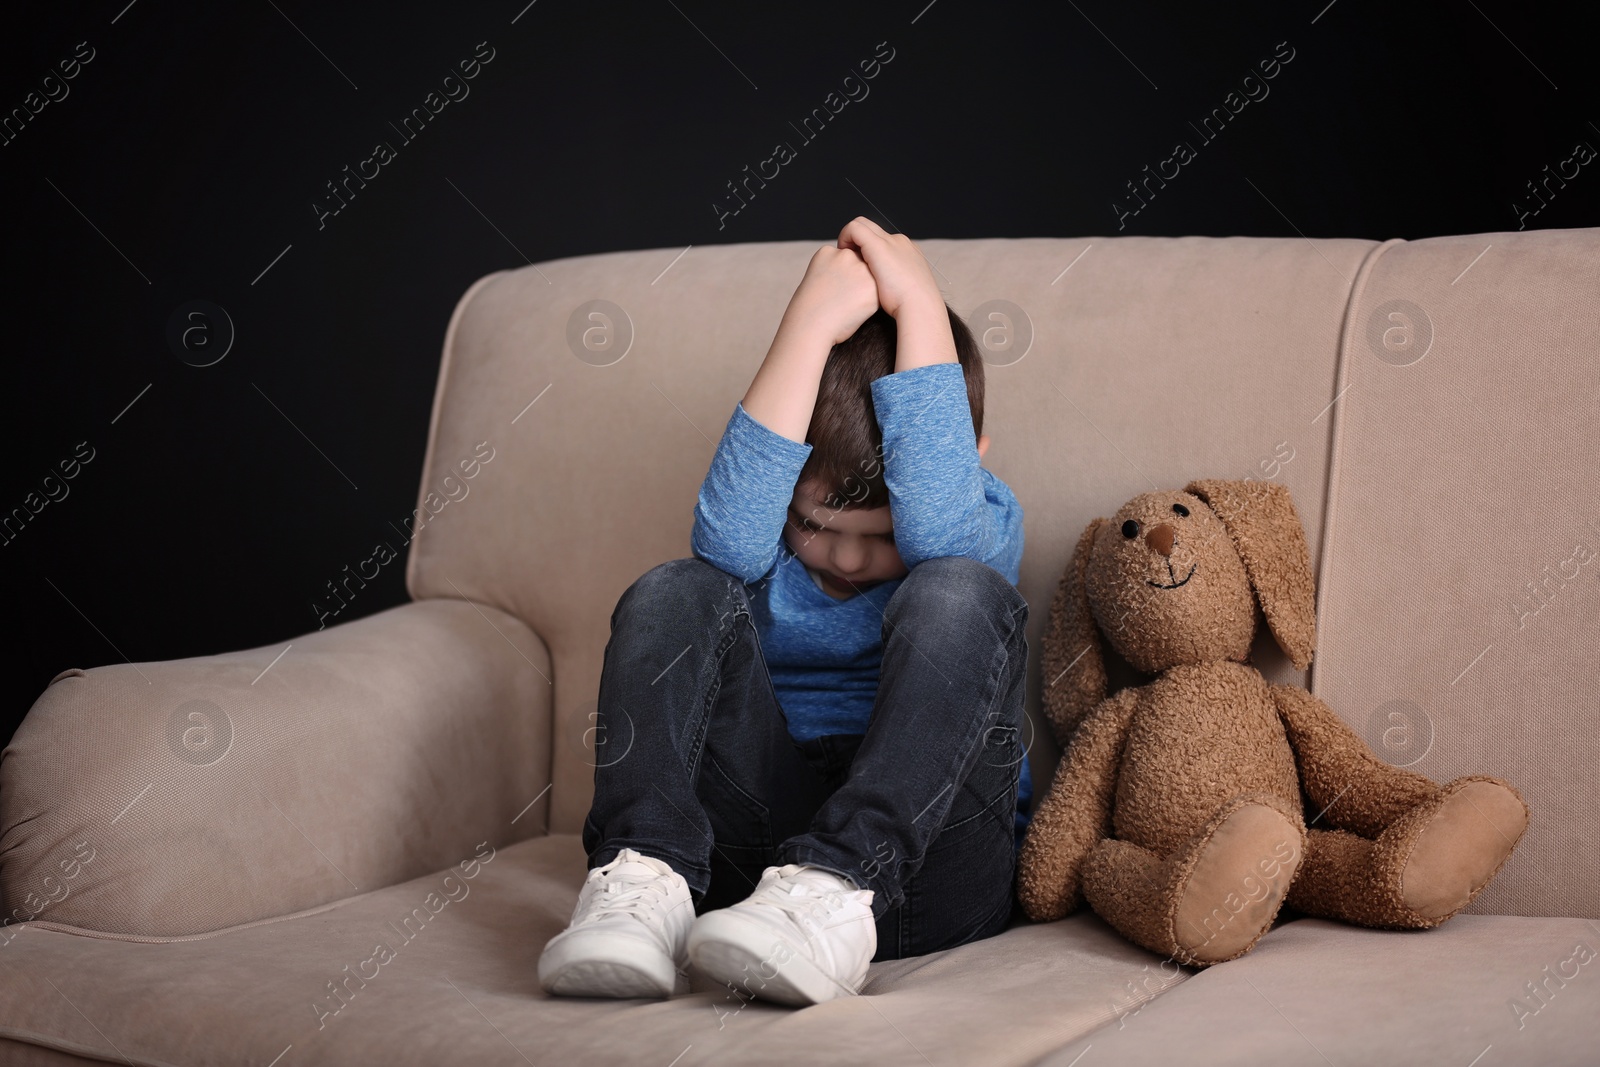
x=1071, y=655
x=1265, y=528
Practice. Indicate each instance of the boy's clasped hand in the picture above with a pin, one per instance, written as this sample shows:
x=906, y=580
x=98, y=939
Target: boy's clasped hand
x=869, y=268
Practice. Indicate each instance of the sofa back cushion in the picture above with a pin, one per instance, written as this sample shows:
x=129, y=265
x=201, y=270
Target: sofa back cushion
x=1460, y=601
x=601, y=384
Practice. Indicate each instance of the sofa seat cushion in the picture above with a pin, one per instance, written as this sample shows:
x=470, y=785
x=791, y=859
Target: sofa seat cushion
x=458, y=985
x=1483, y=990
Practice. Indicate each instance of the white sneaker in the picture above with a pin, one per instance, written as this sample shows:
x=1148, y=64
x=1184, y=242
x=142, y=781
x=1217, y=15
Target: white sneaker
x=804, y=936
x=628, y=934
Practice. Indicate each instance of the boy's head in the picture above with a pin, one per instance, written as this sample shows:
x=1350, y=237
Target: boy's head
x=839, y=521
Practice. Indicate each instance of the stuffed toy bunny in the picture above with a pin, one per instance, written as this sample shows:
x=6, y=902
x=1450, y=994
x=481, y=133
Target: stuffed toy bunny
x=1187, y=810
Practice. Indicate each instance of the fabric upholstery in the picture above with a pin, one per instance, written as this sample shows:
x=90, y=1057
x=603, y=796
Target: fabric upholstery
x=463, y=989
x=459, y=986
x=1460, y=622
x=1318, y=992
x=369, y=753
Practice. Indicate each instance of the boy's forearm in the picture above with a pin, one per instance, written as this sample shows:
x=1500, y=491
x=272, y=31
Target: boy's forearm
x=783, y=393
x=922, y=336
x=931, y=466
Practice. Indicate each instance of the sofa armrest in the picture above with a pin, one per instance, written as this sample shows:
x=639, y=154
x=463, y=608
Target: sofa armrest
x=190, y=795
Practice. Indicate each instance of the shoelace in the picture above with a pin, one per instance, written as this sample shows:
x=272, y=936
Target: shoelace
x=617, y=895
x=805, y=903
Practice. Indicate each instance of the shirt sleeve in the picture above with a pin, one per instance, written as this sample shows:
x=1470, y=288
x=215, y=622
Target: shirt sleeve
x=942, y=502
x=744, y=500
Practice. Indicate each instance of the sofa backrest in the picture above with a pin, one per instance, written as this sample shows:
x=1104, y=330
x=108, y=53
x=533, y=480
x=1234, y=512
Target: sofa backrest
x=1113, y=365
x=1460, y=600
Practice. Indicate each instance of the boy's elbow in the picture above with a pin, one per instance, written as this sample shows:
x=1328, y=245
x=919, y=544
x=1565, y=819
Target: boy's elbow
x=745, y=568
x=974, y=548
x=721, y=565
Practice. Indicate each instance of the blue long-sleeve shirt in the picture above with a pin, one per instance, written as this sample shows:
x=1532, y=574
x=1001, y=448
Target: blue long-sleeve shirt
x=823, y=654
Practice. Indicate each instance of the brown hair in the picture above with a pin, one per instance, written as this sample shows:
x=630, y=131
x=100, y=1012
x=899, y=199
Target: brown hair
x=845, y=465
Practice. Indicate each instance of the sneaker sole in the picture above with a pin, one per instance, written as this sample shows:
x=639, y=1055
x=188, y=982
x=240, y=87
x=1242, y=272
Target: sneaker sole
x=604, y=969
x=737, y=952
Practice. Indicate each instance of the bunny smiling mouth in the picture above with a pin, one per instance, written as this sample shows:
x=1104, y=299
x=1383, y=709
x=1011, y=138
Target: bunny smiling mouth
x=1173, y=574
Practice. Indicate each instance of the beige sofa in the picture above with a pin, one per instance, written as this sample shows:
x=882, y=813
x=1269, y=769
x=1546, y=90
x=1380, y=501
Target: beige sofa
x=349, y=846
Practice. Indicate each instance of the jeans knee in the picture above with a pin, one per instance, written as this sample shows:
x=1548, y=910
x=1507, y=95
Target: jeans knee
x=954, y=585
x=680, y=583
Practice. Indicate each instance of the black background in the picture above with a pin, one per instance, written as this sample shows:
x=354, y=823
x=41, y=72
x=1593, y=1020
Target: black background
x=189, y=151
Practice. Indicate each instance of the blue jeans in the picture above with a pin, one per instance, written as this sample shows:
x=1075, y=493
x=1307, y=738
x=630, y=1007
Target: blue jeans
x=696, y=765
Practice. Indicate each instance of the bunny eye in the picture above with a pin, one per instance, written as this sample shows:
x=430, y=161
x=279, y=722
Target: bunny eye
x=1130, y=529
x=1179, y=509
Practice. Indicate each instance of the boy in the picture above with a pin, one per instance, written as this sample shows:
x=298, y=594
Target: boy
x=826, y=699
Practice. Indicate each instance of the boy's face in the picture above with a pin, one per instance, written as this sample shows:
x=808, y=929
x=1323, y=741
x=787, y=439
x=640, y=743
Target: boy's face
x=852, y=550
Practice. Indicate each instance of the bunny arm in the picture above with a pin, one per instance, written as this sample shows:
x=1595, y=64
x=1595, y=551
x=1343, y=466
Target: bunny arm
x=1351, y=787
x=1076, y=814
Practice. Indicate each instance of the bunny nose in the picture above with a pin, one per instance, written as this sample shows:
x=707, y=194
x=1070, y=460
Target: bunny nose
x=1160, y=538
